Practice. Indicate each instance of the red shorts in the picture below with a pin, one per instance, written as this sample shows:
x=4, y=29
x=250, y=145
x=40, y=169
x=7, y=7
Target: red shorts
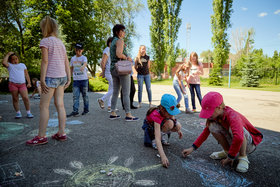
x=17, y=87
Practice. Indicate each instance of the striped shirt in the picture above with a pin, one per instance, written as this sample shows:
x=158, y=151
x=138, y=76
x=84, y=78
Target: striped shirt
x=56, y=56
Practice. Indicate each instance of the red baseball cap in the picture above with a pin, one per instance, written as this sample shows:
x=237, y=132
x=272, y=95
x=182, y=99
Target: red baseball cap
x=209, y=103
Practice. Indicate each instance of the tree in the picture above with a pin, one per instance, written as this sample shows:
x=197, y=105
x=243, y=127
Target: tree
x=207, y=56
x=250, y=76
x=220, y=22
x=275, y=64
x=163, y=31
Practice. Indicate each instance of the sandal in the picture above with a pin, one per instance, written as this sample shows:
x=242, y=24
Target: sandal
x=243, y=164
x=218, y=155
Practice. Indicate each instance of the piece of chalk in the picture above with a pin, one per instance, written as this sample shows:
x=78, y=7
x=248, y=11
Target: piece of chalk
x=109, y=173
x=112, y=169
x=158, y=155
x=102, y=171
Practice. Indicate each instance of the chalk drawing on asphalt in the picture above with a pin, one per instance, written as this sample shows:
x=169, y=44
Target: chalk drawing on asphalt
x=50, y=131
x=10, y=173
x=214, y=175
x=54, y=122
x=3, y=101
x=107, y=174
x=9, y=130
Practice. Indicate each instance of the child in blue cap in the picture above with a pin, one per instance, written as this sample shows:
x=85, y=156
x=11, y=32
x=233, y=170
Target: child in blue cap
x=160, y=120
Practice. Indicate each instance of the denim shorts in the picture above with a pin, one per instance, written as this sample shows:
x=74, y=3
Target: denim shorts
x=55, y=82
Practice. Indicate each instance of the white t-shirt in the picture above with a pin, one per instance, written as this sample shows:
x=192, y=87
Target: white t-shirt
x=77, y=63
x=108, y=63
x=181, y=74
x=16, y=73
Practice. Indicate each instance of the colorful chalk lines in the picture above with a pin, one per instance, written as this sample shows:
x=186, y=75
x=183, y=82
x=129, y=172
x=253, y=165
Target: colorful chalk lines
x=107, y=174
x=214, y=175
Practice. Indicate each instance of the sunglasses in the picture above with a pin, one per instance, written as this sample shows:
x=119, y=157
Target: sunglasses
x=173, y=107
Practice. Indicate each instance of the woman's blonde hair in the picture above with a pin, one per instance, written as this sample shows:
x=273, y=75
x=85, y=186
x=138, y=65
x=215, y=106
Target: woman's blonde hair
x=49, y=27
x=139, y=54
x=192, y=55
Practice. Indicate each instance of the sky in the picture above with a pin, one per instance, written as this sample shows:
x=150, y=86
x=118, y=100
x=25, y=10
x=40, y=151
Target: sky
x=261, y=15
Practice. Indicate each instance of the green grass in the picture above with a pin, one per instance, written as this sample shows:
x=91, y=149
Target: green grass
x=265, y=84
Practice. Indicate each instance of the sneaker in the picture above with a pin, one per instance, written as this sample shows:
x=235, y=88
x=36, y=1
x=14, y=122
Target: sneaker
x=139, y=105
x=189, y=111
x=131, y=119
x=85, y=112
x=101, y=103
x=165, y=142
x=37, y=141
x=194, y=110
x=133, y=107
x=18, y=116
x=73, y=114
x=29, y=115
x=109, y=109
x=114, y=117
x=218, y=155
x=59, y=137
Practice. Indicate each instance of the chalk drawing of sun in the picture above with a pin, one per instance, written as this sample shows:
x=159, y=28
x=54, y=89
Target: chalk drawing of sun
x=105, y=174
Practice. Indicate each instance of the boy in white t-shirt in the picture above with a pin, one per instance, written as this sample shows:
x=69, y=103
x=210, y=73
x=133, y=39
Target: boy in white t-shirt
x=78, y=66
x=18, y=75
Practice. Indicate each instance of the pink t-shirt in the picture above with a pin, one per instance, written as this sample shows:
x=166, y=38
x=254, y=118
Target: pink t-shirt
x=155, y=117
x=56, y=56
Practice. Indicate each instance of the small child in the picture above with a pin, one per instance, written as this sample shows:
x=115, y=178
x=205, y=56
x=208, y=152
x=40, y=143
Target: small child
x=78, y=66
x=231, y=129
x=37, y=88
x=18, y=75
x=160, y=120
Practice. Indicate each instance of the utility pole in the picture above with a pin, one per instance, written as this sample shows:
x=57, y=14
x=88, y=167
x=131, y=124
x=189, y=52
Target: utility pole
x=188, y=27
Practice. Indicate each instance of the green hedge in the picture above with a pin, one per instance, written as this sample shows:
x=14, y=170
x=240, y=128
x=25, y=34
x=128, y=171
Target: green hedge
x=98, y=84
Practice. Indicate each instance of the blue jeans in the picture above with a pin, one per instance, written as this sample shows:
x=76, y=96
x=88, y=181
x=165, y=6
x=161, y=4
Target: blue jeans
x=195, y=87
x=179, y=93
x=80, y=86
x=147, y=79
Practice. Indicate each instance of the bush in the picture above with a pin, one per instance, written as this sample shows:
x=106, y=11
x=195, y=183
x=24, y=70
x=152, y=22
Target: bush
x=98, y=84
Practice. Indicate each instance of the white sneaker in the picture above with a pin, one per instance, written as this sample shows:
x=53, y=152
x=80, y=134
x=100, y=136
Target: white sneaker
x=243, y=164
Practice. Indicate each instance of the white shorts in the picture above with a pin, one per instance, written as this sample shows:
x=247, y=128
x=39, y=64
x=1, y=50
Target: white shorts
x=219, y=129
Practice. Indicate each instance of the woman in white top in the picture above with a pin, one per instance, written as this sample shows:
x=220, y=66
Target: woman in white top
x=196, y=71
x=105, y=66
x=181, y=74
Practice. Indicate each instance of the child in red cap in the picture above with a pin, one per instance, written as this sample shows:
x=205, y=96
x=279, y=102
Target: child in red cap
x=230, y=128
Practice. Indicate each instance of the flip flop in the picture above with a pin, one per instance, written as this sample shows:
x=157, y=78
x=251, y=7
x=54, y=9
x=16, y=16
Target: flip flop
x=243, y=164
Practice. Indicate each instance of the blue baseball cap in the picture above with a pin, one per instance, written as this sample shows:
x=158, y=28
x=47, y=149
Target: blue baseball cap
x=169, y=102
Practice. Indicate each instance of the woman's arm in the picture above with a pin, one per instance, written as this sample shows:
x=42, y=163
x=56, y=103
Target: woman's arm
x=119, y=50
x=164, y=159
x=103, y=64
x=5, y=59
x=44, y=66
x=68, y=72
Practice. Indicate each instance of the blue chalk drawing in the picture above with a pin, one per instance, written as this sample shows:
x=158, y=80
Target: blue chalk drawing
x=9, y=130
x=213, y=175
x=54, y=122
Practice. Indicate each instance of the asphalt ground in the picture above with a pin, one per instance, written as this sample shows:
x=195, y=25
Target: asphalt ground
x=97, y=146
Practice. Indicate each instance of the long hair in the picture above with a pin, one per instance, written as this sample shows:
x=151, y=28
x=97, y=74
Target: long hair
x=139, y=54
x=192, y=55
x=49, y=27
